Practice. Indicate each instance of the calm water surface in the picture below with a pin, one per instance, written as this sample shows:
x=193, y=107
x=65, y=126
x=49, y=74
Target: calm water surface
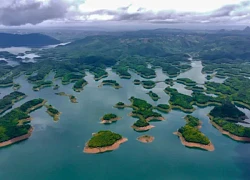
x=54, y=151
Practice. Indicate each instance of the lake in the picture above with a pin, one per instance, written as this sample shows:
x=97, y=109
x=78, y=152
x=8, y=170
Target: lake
x=55, y=149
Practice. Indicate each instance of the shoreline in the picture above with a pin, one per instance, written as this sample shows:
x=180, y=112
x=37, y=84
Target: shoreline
x=182, y=109
x=155, y=118
x=55, y=117
x=109, y=84
x=17, y=139
x=103, y=121
x=141, y=129
x=209, y=147
x=101, y=77
x=162, y=110
x=80, y=89
x=232, y=136
x=114, y=146
x=36, y=106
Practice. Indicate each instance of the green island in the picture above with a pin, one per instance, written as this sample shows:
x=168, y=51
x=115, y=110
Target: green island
x=53, y=112
x=120, y=105
x=71, y=97
x=186, y=81
x=14, y=125
x=163, y=108
x=137, y=82
x=195, y=88
x=78, y=86
x=56, y=87
x=7, y=82
x=109, y=118
x=112, y=83
x=148, y=84
x=122, y=71
x=42, y=84
x=16, y=86
x=104, y=141
x=229, y=112
x=7, y=101
x=169, y=81
x=191, y=136
x=153, y=95
x=99, y=73
x=71, y=77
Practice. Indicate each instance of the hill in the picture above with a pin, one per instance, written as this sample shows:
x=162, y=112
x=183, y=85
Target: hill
x=27, y=40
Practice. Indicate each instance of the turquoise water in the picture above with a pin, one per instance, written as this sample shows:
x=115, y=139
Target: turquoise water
x=55, y=149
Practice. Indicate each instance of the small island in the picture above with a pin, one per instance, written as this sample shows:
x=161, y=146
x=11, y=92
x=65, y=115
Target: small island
x=148, y=84
x=56, y=87
x=169, y=81
x=137, y=82
x=146, y=139
x=109, y=118
x=53, y=112
x=112, y=83
x=71, y=97
x=142, y=125
x=120, y=105
x=104, y=141
x=193, y=121
x=16, y=86
x=163, y=108
x=153, y=95
x=195, y=88
x=71, y=77
x=78, y=86
x=186, y=81
x=42, y=84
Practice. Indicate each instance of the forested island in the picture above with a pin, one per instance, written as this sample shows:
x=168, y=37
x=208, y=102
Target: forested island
x=42, y=84
x=153, y=95
x=112, y=83
x=148, y=84
x=109, y=118
x=104, y=141
x=7, y=101
x=71, y=97
x=78, y=86
x=163, y=108
x=53, y=112
x=191, y=136
x=137, y=82
x=14, y=125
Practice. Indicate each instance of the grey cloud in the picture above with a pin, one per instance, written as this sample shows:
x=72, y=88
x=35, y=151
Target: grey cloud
x=31, y=12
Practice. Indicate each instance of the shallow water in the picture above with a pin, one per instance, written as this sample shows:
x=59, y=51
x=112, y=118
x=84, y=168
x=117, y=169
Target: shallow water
x=54, y=151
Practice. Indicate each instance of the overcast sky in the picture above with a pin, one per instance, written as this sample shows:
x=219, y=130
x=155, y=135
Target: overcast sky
x=70, y=12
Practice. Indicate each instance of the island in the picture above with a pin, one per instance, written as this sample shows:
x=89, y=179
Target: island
x=137, y=82
x=42, y=84
x=109, y=118
x=191, y=136
x=195, y=88
x=71, y=77
x=14, y=125
x=78, y=86
x=104, y=141
x=146, y=139
x=163, y=108
x=99, y=73
x=71, y=97
x=153, y=95
x=186, y=81
x=53, y=112
x=148, y=84
x=7, y=101
x=169, y=81
x=56, y=87
x=16, y=86
x=142, y=125
x=112, y=83
x=7, y=82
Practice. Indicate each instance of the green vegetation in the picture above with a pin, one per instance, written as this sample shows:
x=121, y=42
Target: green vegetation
x=71, y=77
x=16, y=87
x=137, y=82
x=109, y=116
x=29, y=105
x=7, y=101
x=56, y=87
x=192, y=134
x=112, y=83
x=120, y=104
x=182, y=101
x=192, y=121
x=42, y=84
x=186, y=81
x=148, y=84
x=153, y=95
x=98, y=73
x=141, y=123
x=169, y=82
x=233, y=128
x=53, y=110
x=163, y=107
x=78, y=86
x=195, y=88
x=228, y=111
x=140, y=104
x=103, y=139
x=146, y=113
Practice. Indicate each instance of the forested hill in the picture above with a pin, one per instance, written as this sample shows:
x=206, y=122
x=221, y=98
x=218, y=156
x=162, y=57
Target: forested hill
x=27, y=40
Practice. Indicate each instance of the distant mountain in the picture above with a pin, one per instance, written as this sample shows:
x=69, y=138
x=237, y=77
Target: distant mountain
x=27, y=40
x=247, y=29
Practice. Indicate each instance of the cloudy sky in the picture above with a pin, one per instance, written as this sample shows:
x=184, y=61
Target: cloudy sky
x=53, y=12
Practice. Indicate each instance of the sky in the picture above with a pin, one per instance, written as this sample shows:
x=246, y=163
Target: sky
x=22, y=13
